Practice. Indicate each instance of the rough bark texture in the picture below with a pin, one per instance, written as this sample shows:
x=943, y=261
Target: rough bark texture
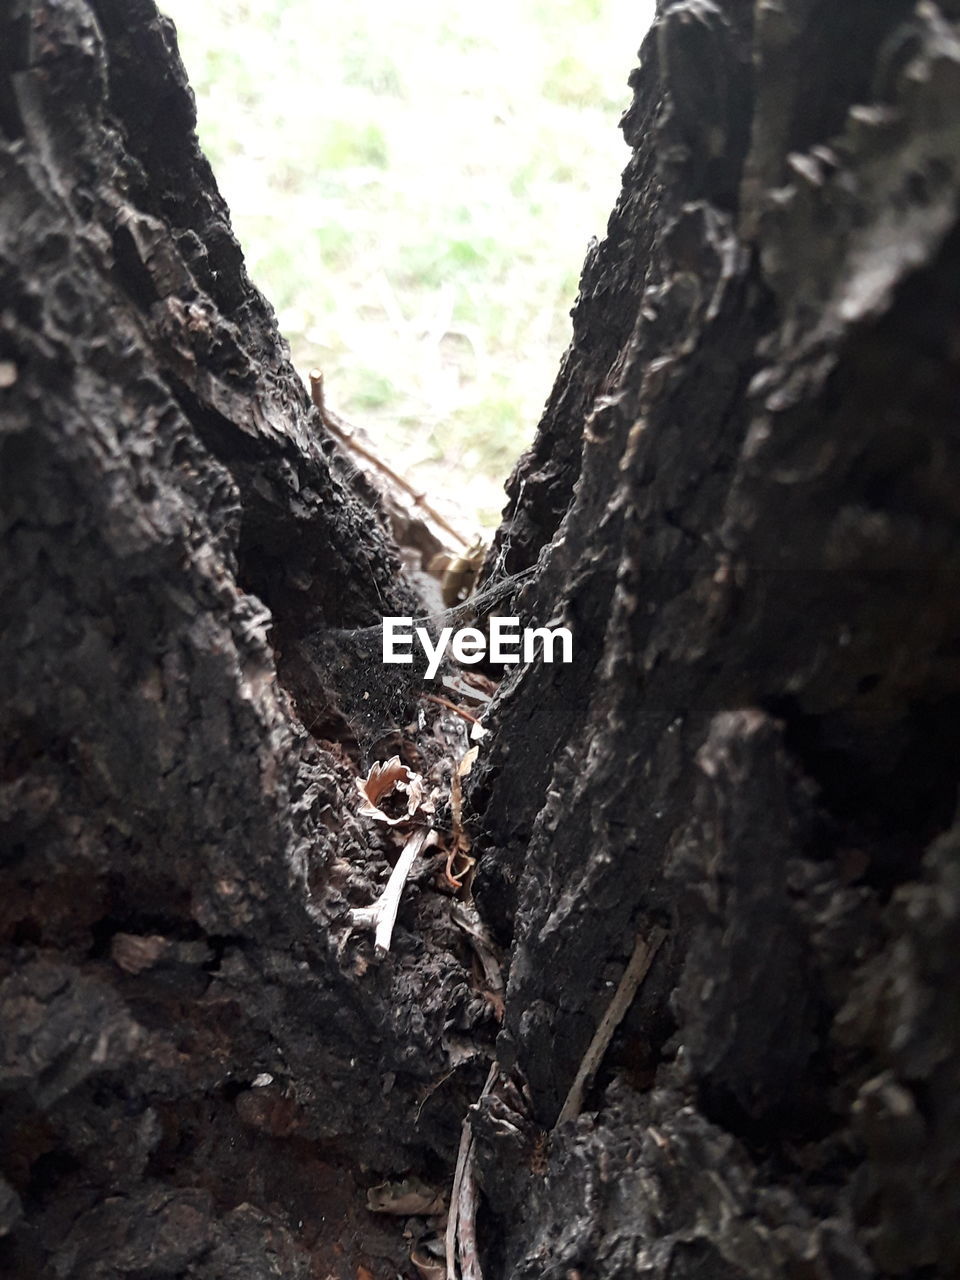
x=744, y=500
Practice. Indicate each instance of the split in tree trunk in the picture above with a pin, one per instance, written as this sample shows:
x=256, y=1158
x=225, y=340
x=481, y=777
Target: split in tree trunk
x=743, y=500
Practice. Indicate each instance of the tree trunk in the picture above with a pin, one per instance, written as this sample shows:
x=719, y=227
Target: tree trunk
x=717, y=853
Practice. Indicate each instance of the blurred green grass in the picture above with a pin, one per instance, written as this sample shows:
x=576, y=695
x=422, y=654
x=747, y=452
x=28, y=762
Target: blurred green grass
x=415, y=187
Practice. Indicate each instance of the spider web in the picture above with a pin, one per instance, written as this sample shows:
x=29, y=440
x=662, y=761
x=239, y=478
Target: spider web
x=377, y=697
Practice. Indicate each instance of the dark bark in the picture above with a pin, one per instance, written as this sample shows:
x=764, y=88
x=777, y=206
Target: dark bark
x=178, y=854
x=743, y=498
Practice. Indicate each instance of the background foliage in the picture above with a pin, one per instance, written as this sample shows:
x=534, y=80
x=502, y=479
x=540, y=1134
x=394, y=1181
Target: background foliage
x=415, y=187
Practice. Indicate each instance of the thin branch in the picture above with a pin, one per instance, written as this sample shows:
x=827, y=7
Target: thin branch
x=633, y=975
x=451, y=706
x=348, y=436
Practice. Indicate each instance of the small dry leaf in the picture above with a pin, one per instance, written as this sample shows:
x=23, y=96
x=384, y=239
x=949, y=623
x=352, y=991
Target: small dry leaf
x=392, y=793
x=430, y=1268
x=134, y=953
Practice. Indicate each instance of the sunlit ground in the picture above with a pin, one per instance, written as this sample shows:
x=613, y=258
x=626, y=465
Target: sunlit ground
x=415, y=186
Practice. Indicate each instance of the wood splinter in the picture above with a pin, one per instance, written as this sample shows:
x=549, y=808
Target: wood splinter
x=382, y=914
x=461, y=1233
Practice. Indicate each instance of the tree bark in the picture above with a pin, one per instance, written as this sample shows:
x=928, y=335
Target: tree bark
x=718, y=853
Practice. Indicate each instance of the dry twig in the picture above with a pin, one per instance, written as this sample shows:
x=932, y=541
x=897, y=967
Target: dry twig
x=633, y=975
x=348, y=436
x=451, y=706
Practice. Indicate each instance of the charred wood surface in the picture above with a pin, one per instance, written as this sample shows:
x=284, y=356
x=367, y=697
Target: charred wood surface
x=757, y=547
x=743, y=499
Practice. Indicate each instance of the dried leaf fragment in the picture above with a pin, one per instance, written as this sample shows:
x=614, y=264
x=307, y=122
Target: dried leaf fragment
x=459, y=852
x=458, y=865
x=458, y=571
x=429, y=1267
x=134, y=953
x=392, y=793
x=411, y=1195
